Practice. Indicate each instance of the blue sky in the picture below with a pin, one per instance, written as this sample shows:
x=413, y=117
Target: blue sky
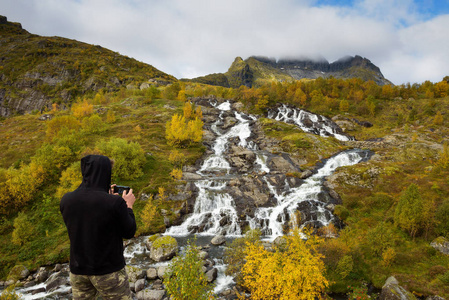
x=407, y=39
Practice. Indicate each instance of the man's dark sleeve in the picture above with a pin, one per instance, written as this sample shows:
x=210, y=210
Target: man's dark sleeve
x=126, y=220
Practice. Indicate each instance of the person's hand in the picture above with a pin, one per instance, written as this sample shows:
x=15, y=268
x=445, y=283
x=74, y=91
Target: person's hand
x=111, y=189
x=129, y=198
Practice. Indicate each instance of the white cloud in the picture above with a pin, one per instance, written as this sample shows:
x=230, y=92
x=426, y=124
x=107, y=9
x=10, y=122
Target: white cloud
x=198, y=37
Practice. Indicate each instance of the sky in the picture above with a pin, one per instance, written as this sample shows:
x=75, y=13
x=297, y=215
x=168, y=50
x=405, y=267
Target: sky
x=407, y=39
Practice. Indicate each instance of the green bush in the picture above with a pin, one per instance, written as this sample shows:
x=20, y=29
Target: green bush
x=129, y=158
x=185, y=278
x=442, y=218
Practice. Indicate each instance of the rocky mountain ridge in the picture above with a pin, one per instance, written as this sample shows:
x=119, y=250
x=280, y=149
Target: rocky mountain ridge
x=257, y=70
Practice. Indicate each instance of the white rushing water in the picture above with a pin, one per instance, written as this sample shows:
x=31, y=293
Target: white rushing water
x=321, y=125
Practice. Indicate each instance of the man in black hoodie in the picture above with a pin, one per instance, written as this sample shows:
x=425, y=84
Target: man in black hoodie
x=97, y=222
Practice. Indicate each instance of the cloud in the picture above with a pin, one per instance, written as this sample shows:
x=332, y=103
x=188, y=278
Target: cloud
x=199, y=37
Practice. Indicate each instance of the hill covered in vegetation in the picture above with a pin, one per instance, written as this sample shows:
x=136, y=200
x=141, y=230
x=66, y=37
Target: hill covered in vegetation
x=38, y=71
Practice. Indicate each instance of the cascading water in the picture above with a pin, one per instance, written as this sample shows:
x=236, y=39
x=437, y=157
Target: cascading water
x=215, y=209
x=272, y=219
x=308, y=122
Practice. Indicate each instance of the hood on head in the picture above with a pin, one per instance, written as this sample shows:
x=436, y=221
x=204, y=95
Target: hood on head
x=96, y=171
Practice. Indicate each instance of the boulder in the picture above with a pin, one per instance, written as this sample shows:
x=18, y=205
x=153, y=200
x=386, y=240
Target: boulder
x=393, y=291
x=56, y=280
x=441, y=244
x=19, y=272
x=211, y=275
x=139, y=285
x=161, y=271
x=151, y=295
x=151, y=273
x=281, y=164
x=42, y=275
x=163, y=248
x=134, y=273
x=151, y=239
x=218, y=240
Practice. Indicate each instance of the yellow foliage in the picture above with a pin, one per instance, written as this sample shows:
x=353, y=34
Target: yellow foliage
x=388, y=257
x=110, y=116
x=182, y=95
x=438, y=120
x=178, y=132
x=296, y=272
x=18, y=186
x=187, y=110
x=148, y=213
x=198, y=112
x=70, y=179
x=54, y=107
x=176, y=158
x=176, y=174
x=23, y=230
x=56, y=124
x=82, y=109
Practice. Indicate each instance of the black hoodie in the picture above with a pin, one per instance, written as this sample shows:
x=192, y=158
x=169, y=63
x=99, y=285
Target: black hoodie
x=96, y=221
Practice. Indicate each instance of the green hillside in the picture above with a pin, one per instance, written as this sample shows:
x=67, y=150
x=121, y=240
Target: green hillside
x=38, y=71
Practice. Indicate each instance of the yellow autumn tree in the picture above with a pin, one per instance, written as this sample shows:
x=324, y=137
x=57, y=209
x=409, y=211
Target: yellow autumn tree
x=148, y=214
x=82, y=109
x=293, y=271
x=179, y=132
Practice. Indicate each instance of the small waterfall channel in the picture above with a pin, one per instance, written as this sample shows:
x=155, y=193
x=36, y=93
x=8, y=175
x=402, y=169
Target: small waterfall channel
x=241, y=185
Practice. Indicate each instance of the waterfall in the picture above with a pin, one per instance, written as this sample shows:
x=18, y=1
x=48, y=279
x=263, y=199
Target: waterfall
x=215, y=210
x=308, y=122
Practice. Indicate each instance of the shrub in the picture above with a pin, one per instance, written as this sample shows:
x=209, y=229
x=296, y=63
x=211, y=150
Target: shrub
x=345, y=266
x=82, y=109
x=293, y=272
x=19, y=186
x=23, y=230
x=148, y=214
x=57, y=124
x=442, y=218
x=176, y=158
x=10, y=294
x=176, y=174
x=129, y=158
x=185, y=279
x=234, y=255
x=408, y=214
x=70, y=179
x=94, y=124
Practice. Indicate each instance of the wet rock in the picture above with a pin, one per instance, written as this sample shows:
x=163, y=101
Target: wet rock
x=218, y=240
x=151, y=239
x=57, y=280
x=393, y=291
x=190, y=176
x=140, y=285
x=151, y=295
x=42, y=275
x=38, y=290
x=282, y=164
x=211, y=275
x=203, y=255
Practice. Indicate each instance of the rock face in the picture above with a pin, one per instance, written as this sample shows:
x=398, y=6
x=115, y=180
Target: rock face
x=393, y=291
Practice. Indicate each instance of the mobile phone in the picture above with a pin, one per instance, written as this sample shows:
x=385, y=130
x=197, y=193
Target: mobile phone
x=119, y=189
